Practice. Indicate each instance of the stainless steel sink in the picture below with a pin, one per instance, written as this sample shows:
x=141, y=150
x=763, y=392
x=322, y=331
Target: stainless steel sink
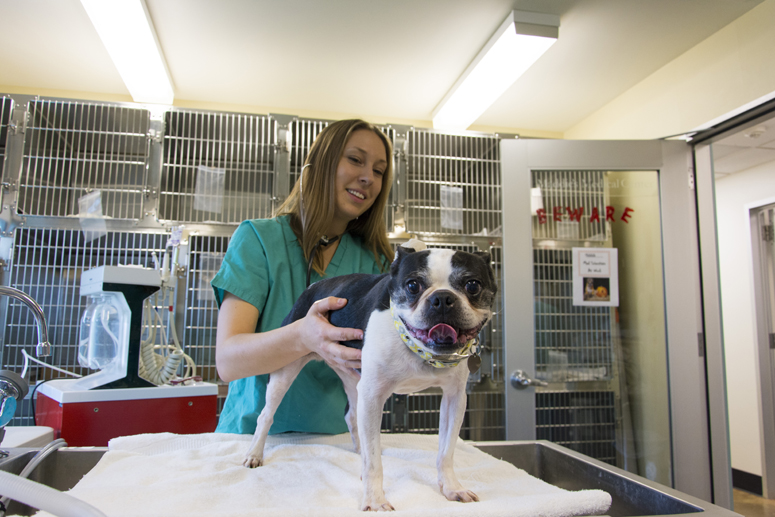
x=632, y=495
x=62, y=469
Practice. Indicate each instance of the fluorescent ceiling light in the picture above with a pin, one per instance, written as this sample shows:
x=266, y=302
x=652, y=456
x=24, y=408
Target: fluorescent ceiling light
x=521, y=39
x=125, y=29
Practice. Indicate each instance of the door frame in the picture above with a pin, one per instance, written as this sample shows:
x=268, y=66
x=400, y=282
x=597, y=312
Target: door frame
x=762, y=328
x=686, y=299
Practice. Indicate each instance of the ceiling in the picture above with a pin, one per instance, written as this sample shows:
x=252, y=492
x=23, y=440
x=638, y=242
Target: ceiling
x=389, y=61
x=745, y=149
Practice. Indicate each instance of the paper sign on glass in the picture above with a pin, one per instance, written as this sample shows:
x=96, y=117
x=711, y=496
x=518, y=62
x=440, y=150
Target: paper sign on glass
x=595, y=277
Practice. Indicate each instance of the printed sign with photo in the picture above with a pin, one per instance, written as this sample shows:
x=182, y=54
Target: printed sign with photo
x=595, y=277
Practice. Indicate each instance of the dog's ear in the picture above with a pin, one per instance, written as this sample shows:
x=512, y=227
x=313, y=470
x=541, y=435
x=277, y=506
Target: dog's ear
x=484, y=256
x=401, y=253
x=487, y=259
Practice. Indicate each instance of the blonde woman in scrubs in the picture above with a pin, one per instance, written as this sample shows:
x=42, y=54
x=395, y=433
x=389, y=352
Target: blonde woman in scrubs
x=339, y=199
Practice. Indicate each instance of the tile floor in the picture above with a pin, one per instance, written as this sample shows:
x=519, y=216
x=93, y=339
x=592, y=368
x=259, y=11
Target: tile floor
x=752, y=505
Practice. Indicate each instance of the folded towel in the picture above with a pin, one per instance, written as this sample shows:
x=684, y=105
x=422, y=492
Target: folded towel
x=169, y=475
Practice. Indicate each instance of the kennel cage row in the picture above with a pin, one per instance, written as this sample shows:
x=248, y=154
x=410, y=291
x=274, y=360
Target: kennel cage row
x=65, y=136
x=47, y=263
x=216, y=167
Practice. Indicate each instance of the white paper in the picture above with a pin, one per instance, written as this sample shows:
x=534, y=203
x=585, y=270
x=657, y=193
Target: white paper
x=90, y=216
x=596, y=277
x=452, y=207
x=208, y=195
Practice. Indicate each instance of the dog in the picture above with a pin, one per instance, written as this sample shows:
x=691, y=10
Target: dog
x=420, y=325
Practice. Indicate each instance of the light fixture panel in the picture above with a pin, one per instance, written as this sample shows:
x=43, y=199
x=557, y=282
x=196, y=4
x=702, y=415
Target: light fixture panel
x=518, y=43
x=126, y=30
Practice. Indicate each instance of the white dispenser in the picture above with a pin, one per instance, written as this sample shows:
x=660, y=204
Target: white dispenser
x=111, y=326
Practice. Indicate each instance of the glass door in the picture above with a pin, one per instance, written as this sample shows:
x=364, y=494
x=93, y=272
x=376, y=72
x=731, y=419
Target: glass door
x=763, y=241
x=603, y=313
x=599, y=316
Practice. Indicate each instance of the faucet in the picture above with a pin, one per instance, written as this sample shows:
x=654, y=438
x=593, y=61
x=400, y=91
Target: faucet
x=43, y=349
x=13, y=387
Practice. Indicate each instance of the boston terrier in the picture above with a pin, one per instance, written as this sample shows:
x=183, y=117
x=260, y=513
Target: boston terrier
x=420, y=325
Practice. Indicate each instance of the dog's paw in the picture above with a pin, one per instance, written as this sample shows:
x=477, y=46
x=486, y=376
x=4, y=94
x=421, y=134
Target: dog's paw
x=463, y=496
x=376, y=503
x=252, y=462
x=377, y=507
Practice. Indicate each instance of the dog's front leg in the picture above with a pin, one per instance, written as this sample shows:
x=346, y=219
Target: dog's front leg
x=371, y=400
x=453, y=408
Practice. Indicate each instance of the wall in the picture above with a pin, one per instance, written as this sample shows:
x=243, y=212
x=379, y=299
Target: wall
x=728, y=70
x=733, y=193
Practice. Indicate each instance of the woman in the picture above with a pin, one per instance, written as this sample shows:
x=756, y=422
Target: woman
x=334, y=217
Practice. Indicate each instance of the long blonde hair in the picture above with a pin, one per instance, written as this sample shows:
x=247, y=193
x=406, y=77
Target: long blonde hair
x=318, y=177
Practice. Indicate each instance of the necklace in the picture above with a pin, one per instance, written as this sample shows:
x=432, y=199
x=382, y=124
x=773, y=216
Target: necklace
x=470, y=350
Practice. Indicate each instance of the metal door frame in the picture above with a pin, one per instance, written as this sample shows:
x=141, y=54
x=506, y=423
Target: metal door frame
x=764, y=333
x=703, y=142
x=693, y=443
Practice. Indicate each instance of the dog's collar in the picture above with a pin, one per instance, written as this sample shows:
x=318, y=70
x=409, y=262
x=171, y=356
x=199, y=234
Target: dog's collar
x=435, y=360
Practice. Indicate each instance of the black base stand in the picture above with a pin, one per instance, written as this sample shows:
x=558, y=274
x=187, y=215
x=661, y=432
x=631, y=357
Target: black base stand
x=135, y=296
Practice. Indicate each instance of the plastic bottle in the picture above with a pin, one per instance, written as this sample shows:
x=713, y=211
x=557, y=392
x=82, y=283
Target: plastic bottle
x=100, y=328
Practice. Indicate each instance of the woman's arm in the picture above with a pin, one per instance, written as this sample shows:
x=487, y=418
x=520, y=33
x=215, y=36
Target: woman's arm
x=242, y=352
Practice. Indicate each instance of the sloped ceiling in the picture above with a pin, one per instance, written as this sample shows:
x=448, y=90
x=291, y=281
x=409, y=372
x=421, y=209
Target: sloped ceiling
x=384, y=60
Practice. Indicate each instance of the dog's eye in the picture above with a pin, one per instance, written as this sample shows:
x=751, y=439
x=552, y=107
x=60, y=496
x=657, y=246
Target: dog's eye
x=413, y=286
x=473, y=287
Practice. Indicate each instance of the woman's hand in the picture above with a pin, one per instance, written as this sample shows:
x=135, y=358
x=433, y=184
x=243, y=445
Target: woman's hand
x=242, y=352
x=323, y=338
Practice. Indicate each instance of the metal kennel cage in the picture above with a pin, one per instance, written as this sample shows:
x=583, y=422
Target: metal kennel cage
x=217, y=167
x=452, y=184
x=72, y=148
x=577, y=349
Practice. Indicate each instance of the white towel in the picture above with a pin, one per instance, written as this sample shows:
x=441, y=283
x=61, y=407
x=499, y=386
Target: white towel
x=168, y=475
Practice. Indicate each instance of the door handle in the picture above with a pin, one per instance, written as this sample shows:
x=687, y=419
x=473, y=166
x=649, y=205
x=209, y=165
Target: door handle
x=521, y=380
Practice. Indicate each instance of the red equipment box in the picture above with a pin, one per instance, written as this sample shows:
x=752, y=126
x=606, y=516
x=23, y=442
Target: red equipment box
x=92, y=417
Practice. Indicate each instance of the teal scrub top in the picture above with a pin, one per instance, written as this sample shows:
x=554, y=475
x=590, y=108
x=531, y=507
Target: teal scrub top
x=265, y=266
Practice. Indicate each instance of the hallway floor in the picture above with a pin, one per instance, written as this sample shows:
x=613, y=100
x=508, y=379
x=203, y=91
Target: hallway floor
x=752, y=505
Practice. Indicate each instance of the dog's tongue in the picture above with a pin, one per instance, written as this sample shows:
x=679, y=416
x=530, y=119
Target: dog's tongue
x=442, y=333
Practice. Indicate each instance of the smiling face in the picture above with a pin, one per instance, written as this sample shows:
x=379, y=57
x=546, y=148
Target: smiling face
x=359, y=177
x=442, y=297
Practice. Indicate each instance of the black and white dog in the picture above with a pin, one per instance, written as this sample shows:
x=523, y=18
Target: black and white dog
x=420, y=325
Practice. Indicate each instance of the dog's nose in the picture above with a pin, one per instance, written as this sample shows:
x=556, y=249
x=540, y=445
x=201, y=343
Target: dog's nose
x=442, y=300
